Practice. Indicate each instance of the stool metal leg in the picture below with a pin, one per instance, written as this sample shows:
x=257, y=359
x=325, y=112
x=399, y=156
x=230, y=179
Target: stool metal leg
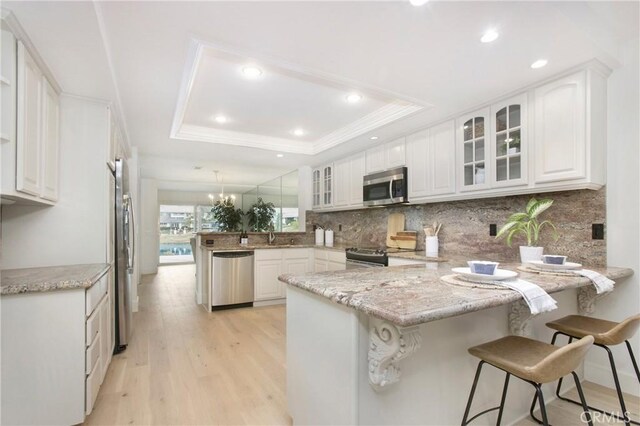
x=585, y=407
x=633, y=360
x=617, y=383
x=543, y=409
x=473, y=391
x=614, y=371
x=504, y=397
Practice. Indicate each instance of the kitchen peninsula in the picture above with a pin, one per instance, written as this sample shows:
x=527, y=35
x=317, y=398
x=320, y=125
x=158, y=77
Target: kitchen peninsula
x=389, y=345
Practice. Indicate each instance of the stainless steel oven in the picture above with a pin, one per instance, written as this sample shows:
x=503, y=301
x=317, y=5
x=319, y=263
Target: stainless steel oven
x=385, y=188
x=366, y=258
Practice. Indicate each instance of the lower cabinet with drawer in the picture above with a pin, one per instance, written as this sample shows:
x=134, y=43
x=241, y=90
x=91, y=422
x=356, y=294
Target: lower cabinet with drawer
x=56, y=347
x=329, y=260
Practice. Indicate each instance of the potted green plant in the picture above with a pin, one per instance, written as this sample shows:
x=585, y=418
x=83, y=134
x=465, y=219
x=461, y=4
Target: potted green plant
x=527, y=223
x=261, y=215
x=227, y=215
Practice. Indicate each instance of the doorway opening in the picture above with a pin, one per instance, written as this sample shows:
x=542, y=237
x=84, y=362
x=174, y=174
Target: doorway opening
x=177, y=227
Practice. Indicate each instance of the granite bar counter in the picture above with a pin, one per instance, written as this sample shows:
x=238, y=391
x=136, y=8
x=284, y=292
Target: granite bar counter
x=50, y=278
x=388, y=346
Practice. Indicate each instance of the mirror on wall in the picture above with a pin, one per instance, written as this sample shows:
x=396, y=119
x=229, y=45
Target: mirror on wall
x=282, y=193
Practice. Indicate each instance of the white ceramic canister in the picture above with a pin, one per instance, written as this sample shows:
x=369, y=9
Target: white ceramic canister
x=431, y=246
x=328, y=238
x=319, y=236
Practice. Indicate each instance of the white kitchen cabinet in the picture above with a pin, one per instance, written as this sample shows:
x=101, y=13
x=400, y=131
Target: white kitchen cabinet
x=30, y=126
x=55, y=352
x=431, y=161
x=509, y=145
x=473, y=166
x=29, y=107
x=570, y=129
x=50, y=141
x=316, y=191
x=271, y=263
x=329, y=260
x=386, y=156
x=348, y=181
x=323, y=186
x=267, y=286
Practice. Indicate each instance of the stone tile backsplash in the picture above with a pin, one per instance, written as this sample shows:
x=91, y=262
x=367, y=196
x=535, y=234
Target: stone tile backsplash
x=465, y=225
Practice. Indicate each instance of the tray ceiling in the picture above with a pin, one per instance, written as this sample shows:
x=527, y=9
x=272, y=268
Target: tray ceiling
x=218, y=103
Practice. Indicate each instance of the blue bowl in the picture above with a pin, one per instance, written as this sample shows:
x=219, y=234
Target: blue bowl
x=482, y=267
x=553, y=259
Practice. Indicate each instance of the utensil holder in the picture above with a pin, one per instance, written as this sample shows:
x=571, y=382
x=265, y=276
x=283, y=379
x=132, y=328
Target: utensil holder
x=319, y=237
x=431, y=246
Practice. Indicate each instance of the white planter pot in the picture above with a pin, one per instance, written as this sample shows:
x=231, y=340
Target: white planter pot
x=527, y=254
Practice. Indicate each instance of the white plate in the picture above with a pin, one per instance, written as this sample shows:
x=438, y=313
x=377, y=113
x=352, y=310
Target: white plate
x=568, y=266
x=499, y=275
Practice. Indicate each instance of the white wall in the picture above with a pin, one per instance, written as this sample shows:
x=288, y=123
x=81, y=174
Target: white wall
x=183, y=198
x=150, y=234
x=73, y=231
x=623, y=215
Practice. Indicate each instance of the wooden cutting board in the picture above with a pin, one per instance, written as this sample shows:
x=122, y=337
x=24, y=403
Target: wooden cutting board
x=395, y=224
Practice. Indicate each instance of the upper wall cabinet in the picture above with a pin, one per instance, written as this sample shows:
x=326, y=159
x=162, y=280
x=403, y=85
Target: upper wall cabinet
x=30, y=126
x=473, y=164
x=386, y=156
x=549, y=137
x=323, y=182
x=570, y=129
x=509, y=144
x=431, y=161
x=348, y=181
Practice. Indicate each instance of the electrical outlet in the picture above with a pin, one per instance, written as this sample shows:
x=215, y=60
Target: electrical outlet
x=493, y=230
x=597, y=231
x=340, y=227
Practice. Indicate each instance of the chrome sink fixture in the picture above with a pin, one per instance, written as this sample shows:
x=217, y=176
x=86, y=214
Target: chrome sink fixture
x=271, y=237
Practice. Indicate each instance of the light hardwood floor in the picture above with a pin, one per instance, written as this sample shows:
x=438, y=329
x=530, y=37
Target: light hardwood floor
x=187, y=366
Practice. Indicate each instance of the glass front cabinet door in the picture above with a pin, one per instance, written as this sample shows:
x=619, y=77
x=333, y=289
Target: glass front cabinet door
x=317, y=184
x=473, y=138
x=327, y=188
x=509, y=142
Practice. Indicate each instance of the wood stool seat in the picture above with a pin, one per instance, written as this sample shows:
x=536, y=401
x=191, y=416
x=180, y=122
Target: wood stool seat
x=532, y=361
x=604, y=332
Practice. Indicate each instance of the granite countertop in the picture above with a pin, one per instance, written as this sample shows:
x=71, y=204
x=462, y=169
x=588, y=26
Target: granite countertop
x=50, y=278
x=414, y=294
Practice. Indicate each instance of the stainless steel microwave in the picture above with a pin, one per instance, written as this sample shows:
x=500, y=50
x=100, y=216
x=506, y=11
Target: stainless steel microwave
x=385, y=188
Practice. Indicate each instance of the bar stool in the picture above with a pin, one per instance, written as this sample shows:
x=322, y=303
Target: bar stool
x=606, y=333
x=534, y=362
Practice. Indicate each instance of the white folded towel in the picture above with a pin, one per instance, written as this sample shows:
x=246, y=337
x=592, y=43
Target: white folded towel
x=601, y=283
x=537, y=299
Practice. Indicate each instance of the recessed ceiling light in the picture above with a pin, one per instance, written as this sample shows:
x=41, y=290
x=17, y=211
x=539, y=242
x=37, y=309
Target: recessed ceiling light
x=221, y=119
x=539, y=63
x=418, y=2
x=298, y=132
x=279, y=155
x=489, y=36
x=251, y=72
x=373, y=138
x=353, y=98
x=197, y=168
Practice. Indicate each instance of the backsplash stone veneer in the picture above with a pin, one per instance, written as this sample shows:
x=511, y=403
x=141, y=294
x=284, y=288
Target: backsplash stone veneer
x=465, y=225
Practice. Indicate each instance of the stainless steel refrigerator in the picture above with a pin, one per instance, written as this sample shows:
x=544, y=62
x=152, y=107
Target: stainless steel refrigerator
x=124, y=249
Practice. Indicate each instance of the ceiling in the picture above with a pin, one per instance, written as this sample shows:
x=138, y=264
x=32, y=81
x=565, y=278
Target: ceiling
x=140, y=54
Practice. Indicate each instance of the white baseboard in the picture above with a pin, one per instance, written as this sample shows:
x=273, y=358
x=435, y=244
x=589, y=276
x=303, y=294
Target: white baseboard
x=601, y=374
x=269, y=302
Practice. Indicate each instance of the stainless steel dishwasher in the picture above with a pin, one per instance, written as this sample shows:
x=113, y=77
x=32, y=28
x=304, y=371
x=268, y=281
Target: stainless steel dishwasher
x=232, y=280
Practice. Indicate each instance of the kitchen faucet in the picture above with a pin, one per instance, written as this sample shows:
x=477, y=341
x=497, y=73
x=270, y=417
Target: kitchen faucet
x=271, y=237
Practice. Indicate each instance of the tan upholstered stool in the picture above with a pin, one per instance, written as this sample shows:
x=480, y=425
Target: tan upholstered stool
x=534, y=362
x=606, y=333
